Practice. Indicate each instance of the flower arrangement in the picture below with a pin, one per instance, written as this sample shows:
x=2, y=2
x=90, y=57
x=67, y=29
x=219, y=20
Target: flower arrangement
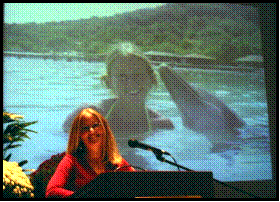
x=16, y=184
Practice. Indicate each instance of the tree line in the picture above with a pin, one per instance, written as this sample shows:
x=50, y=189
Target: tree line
x=217, y=31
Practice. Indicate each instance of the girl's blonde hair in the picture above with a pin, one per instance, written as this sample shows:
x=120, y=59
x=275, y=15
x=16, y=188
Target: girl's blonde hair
x=110, y=152
x=127, y=49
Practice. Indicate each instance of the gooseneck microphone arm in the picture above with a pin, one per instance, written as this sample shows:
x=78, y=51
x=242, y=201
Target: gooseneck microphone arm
x=158, y=152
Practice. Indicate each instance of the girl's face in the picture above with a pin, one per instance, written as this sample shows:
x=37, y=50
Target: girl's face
x=93, y=135
x=129, y=78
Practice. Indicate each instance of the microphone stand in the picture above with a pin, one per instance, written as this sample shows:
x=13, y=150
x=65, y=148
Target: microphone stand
x=159, y=157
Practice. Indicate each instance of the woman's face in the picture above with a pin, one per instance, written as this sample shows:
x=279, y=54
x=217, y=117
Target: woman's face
x=129, y=78
x=93, y=135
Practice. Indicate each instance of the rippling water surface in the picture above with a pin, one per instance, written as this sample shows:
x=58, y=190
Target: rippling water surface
x=47, y=91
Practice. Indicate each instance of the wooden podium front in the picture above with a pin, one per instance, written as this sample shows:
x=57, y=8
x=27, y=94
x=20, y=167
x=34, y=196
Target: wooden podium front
x=149, y=184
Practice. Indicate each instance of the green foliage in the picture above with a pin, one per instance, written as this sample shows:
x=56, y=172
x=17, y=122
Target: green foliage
x=178, y=28
x=187, y=43
x=14, y=132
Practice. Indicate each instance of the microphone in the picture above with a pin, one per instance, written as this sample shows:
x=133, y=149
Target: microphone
x=134, y=143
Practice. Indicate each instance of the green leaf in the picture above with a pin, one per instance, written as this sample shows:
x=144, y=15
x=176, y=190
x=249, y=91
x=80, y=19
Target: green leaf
x=29, y=130
x=7, y=119
x=8, y=157
x=12, y=129
x=11, y=146
x=25, y=124
x=17, y=139
x=22, y=163
x=7, y=139
x=24, y=135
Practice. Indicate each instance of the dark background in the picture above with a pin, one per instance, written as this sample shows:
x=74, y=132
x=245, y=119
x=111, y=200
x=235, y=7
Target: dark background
x=265, y=188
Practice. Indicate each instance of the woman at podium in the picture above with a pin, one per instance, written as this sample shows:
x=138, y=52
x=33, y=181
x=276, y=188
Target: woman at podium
x=91, y=150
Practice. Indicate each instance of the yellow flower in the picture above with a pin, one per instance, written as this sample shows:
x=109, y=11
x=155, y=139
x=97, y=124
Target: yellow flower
x=12, y=116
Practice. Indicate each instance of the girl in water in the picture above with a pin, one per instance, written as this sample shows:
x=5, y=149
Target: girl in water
x=130, y=77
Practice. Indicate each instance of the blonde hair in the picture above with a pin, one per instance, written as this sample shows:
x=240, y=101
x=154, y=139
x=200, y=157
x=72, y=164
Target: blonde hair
x=127, y=49
x=110, y=152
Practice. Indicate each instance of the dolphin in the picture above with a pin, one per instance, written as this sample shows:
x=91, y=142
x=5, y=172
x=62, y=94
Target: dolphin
x=202, y=112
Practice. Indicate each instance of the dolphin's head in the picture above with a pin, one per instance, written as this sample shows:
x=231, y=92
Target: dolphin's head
x=180, y=91
x=184, y=96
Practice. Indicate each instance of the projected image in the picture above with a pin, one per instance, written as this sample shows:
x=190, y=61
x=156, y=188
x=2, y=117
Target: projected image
x=184, y=78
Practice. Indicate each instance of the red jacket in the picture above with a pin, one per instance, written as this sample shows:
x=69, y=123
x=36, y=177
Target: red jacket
x=71, y=175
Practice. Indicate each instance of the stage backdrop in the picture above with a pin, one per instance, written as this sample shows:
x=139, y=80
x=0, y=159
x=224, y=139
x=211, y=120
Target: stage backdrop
x=48, y=90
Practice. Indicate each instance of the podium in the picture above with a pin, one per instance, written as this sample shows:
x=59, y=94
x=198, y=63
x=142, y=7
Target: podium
x=149, y=184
